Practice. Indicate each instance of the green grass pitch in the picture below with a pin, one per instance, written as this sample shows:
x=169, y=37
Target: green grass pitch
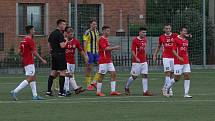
x=88, y=107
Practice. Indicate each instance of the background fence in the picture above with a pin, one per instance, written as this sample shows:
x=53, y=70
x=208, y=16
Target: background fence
x=124, y=17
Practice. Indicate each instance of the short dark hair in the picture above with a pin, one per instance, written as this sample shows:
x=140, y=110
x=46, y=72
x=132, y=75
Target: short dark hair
x=68, y=28
x=105, y=27
x=167, y=24
x=183, y=27
x=59, y=21
x=93, y=20
x=28, y=28
x=142, y=29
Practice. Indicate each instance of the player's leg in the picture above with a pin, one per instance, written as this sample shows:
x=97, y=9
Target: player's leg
x=29, y=72
x=144, y=73
x=95, y=78
x=67, y=79
x=177, y=73
x=102, y=72
x=51, y=77
x=88, y=71
x=186, y=73
x=135, y=71
x=167, y=71
x=61, y=83
x=112, y=71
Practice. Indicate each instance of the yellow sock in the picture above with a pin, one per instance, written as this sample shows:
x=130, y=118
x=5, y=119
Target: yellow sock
x=88, y=80
x=56, y=84
x=96, y=77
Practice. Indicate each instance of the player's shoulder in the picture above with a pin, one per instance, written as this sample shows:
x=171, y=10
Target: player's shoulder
x=174, y=35
x=87, y=32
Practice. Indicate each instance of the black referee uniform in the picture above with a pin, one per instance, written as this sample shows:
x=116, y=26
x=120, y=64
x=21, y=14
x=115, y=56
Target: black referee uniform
x=58, y=58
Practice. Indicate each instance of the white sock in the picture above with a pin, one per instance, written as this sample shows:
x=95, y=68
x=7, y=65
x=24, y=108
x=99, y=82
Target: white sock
x=186, y=86
x=170, y=83
x=99, y=87
x=167, y=80
x=73, y=83
x=22, y=85
x=113, y=86
x=66, y=84
x=145, y=84
x=33, y=88
x=129, y=82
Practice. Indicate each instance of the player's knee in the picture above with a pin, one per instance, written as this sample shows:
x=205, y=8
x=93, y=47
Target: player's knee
x=177, y=78
x=134, y=77
x=168, y=73
x=186, y=76
x=144, y=76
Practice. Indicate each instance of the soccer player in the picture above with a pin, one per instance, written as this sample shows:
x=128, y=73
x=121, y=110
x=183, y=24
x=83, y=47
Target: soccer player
x=105, y=63
x=91, y=37
x=181, y=62
x=166, y=40
x=57, y=46
x=27, y=50
x=139, y=62
x=71, y=47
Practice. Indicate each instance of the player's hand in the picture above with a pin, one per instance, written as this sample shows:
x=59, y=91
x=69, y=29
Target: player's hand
x=44, y=61
x=117, y=47
x=154, y=57
x=86, y=59
x=180, y=59
x=138, y=60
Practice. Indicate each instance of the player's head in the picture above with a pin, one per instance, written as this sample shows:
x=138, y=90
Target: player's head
x=106, y=30
x=29, y=29
x=167, y=28
x=183, y=30
x=142, y=32
x=93, y=24
x=69, y=32
x=61, y=24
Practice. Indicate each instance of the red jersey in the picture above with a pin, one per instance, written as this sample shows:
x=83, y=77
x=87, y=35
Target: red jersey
x=27, y=47
x=104, y=55
x=167, y=42
x=70, y=50
x=138, y=47
x=181, y=47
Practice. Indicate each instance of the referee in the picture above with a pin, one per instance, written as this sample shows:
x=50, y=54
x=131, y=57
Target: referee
x=57, y=43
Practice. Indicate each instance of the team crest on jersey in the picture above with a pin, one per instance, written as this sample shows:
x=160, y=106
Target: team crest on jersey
x=73, y=46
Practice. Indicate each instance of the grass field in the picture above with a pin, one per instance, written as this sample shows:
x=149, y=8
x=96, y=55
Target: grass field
x=88, y=107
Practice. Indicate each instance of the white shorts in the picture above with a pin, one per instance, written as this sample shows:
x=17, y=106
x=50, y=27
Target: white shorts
x=168, y=64
x=30, y=70
x=70, y=68
x=179, y=69
x=104, y=68
x=139, y=68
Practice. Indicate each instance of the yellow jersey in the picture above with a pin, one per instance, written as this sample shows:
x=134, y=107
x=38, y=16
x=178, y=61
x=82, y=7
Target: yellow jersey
x=91, y=38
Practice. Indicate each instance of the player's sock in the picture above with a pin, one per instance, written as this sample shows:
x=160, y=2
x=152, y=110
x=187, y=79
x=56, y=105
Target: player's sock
x=88, y=80
x=113, y=86
x=129, y=82
x=170, y=83
x=186, y=86
x=33, y=88
x=73, y=83
x=145, y=84
x=99, y=87
x=167, y=80
x=66, y=84
x=61, y=84
x=96, y=77
x=22, y=85
x=50, y=82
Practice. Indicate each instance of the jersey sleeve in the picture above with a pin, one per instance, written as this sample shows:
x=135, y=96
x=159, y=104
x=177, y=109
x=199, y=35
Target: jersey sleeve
x=79, y=46
x=160, y=40
x=102, y=43
x=86, y=36
x=32, y=45
x=133, y=46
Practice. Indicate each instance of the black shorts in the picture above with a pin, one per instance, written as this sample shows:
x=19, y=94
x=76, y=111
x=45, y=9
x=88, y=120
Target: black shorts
x=58, y=61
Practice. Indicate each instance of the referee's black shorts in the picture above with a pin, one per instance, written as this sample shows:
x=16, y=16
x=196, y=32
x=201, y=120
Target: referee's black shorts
x=58, y=61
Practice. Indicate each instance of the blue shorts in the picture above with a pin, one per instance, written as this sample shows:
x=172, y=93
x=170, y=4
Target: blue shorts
x=93, y=58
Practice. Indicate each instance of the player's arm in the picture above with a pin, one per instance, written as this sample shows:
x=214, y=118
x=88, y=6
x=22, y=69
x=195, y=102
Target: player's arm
x=38, y=56
x=157, y=50
x=84, y=55
x=133, y=49
x=85, y=38
x=63, y=44
x=176, y=54
x=109, y=48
